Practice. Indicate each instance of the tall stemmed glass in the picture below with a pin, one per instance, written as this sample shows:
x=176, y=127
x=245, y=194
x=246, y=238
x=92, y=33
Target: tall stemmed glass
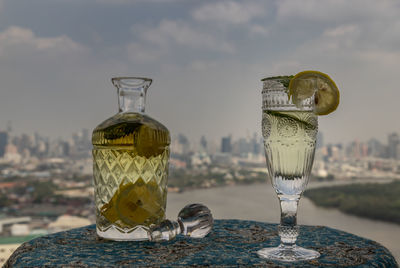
x=289, y=133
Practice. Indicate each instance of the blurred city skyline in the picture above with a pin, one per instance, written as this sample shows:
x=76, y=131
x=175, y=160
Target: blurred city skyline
x=206, y=59
x=14, y=147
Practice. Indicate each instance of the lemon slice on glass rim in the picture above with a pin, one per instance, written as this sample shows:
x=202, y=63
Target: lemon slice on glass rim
x=307, y=83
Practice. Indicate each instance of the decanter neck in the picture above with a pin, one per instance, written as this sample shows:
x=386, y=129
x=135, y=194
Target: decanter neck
x=131, y=93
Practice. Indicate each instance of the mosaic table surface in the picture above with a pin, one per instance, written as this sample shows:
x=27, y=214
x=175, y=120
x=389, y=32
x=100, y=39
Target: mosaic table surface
x=232, y=243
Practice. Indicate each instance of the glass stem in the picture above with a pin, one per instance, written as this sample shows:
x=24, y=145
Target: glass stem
x=288, y=229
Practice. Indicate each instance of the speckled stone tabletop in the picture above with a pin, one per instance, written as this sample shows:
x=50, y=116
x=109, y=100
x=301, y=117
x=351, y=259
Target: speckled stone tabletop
x=232, y=243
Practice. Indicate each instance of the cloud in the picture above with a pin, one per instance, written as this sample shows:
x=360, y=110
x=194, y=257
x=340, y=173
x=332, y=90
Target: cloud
x=369, y=33
x=169, y=36
x=122, y=2
x=335, y=10
x=335, y=45
x=220, y=47
x=370, y=46
x=142, y=53
x=338, y=38
x=383, y=58
x=20, y=39
x=341, y=31
x=363, y=42
x=113, y=2
x=228, y=12
x=201, y=65
x=258, y=30
x=181, y=33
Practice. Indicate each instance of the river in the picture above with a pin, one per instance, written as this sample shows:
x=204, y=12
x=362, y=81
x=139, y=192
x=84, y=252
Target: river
x=259, y=202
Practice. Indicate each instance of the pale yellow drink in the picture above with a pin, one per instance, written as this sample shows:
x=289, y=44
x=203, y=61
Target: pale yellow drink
x=289, y=142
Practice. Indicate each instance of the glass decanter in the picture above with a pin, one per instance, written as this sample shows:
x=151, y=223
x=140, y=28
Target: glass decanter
x=130, y=166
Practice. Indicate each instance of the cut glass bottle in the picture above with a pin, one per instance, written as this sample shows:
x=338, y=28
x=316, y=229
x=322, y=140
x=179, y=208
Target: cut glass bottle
x=130, y=165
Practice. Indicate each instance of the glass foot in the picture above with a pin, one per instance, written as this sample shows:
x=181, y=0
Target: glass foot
x=286, y=253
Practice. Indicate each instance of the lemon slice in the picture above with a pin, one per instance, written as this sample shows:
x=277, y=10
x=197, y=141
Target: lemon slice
x=134, y=203
x=305, y=84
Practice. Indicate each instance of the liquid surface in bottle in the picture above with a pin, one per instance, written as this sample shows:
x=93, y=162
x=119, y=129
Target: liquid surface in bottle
x=130, y=165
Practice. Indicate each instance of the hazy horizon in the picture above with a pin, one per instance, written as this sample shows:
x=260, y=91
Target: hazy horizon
x=206, y=58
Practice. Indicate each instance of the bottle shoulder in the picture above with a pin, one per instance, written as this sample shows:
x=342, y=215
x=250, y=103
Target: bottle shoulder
x=132, y=119
x=128, y=129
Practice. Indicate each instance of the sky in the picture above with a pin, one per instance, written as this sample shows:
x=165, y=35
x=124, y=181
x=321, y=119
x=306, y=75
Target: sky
x=206, y=59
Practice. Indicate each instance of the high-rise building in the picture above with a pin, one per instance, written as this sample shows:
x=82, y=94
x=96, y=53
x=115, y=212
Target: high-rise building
x=85, y=134
x=180, y=145
x=65, y=148
x=226, y=145
x=3, y=142
x=356, y=149
x=393, y=143
x=244, y=147
x=320, y=140
x=255, y=145
x=375, y=148
x=203, y=143
x=184, y=142
x=86, y=143
x=9, y=127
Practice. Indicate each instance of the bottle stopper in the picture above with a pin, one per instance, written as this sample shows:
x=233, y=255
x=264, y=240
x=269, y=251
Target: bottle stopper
x=194, y=220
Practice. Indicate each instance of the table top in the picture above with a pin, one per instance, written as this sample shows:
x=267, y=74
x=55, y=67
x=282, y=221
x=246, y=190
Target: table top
x=231, y=243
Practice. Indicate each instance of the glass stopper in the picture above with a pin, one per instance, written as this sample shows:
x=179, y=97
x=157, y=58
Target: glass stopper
x=194, y=220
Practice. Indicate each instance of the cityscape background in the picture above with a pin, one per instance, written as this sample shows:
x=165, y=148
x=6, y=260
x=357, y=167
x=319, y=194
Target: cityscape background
x=207, y=59
x=34, y=160
x=46, y=184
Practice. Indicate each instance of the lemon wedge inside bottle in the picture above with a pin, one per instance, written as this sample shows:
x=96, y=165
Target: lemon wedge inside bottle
x=308, y=83
x=134, y=203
